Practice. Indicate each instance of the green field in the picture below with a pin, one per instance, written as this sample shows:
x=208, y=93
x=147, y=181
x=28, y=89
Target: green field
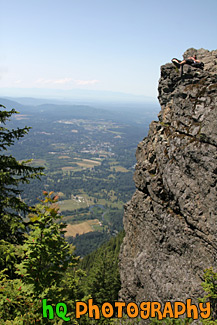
x=119, y=168
x=76, y=202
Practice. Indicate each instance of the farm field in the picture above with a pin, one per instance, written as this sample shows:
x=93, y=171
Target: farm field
x=76, y=202
x=82, y=228
x=79, y=164
x=119, y=169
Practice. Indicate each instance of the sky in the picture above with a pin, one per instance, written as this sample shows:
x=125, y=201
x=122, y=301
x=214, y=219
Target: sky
x=97, y=45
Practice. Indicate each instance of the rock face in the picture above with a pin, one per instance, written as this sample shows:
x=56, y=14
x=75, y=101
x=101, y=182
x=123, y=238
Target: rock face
x=171, y=222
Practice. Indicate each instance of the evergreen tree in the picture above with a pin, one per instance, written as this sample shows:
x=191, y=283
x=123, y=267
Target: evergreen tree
x=210, y=287
x=12, y=173
x=103, y=278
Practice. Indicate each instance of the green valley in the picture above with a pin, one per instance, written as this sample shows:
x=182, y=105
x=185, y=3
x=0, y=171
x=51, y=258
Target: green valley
x=89, y=158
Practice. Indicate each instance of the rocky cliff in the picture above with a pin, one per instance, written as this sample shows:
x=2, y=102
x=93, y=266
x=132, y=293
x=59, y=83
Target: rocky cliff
x=171, y=222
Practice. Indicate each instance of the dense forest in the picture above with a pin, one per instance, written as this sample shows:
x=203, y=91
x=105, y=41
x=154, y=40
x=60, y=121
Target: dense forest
x=41, y=279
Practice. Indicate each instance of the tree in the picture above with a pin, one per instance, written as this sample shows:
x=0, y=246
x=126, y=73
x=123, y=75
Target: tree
x=103, y=279
x=47, y=269
x=46, y=254
x=12, y=173
x=210, y=287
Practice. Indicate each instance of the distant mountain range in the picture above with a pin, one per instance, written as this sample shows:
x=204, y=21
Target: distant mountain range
x=128, y=112
x=74, y=95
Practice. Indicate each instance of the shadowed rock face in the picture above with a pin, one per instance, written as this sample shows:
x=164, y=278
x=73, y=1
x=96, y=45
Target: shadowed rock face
x=171, y=222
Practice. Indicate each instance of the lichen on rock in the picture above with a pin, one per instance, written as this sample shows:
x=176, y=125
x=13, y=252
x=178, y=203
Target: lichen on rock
x=171, y=222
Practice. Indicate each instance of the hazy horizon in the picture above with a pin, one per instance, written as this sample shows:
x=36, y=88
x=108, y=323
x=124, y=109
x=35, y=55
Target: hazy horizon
x=73, y=95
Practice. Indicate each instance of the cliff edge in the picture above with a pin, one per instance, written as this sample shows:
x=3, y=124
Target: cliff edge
x=171, y=222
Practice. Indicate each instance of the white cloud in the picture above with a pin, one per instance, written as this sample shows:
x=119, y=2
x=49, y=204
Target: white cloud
x=43, y=81
x=86, y=82
x=53, y=81
x=63, y=81
x=66, y=82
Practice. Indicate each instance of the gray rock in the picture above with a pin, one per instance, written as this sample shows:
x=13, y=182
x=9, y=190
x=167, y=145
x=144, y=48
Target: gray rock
x=170, y=222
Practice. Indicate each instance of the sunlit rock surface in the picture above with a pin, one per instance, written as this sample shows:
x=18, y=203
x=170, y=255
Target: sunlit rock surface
x=171, y=222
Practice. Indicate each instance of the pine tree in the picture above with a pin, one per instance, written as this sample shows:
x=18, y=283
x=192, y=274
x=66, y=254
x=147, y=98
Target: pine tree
x=12, y=173
x=103, y=280
x=210, y=287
